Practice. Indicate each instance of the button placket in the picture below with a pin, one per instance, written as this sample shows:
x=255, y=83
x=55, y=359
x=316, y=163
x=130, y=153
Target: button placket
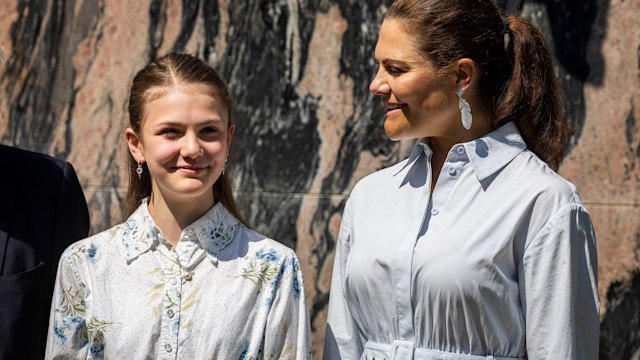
x=171, y=301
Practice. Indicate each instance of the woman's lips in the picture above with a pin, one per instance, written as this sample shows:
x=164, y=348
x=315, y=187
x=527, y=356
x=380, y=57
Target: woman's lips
x=394, y=109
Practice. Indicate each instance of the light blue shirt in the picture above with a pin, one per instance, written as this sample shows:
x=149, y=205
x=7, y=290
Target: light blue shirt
x=500, y=262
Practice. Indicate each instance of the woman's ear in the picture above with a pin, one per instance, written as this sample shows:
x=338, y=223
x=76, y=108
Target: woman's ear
x=465, y=70
x=134, y=144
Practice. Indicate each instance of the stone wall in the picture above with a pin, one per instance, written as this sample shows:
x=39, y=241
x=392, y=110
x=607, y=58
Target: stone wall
x=308, y=128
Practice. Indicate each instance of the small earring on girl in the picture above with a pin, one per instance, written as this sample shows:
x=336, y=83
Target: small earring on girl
x=224, y=168
x=465, y=110
x=139, y=170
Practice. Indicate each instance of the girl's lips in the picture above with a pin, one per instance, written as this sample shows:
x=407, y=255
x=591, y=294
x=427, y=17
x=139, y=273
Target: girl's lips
x=187, y=170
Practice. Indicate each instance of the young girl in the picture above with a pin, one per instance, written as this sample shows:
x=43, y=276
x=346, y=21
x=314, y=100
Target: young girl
x=184, y=277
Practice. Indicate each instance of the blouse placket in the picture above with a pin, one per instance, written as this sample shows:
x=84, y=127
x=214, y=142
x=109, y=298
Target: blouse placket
x=173, y=277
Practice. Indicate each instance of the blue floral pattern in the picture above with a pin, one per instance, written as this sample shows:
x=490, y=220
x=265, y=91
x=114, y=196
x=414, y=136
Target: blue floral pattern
x=129, y=280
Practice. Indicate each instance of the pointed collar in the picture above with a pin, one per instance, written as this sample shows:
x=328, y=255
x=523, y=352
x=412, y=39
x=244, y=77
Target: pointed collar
x=214, y=231
x=486, y=155
x=495, y=150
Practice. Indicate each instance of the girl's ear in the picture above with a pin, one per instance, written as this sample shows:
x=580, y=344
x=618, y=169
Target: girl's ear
x=232, y=129
x=134, y=144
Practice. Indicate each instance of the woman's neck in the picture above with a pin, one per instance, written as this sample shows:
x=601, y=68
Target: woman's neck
x=441, y=145
x=172, y=217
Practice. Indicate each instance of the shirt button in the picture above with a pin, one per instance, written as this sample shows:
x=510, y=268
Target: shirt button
x=434, y=211
x=460, y=150
x=185, y=250
x=167, y=347
x=170, y=313
x=174, y=281
x=452, y=171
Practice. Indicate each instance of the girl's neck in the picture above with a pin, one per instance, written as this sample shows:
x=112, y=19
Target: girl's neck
x=171, y=217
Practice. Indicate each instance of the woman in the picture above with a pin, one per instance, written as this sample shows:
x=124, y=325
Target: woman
x=184, y=276
x=473, y=247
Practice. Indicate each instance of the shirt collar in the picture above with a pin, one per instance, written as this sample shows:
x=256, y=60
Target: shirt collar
x=495, y=150
x=486, y=155
x=214, y=231
x=418, y=150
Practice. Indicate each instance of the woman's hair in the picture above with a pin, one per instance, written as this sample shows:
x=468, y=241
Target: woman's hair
x=517, y=77
x=153, y=82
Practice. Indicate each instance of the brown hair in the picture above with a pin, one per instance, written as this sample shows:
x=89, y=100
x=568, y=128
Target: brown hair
x=516, y=71
x=152, y=83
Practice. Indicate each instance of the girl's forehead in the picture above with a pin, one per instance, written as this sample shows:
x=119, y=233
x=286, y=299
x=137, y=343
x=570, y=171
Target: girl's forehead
x=157, y=92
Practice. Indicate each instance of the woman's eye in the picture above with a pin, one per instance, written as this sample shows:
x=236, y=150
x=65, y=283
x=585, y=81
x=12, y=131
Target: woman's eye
x=394, y=71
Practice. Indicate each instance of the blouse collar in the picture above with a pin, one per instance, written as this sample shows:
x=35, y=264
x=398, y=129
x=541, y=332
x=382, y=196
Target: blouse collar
x=214, y=231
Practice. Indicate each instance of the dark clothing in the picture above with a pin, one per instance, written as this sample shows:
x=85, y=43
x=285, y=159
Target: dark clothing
x=42, y=211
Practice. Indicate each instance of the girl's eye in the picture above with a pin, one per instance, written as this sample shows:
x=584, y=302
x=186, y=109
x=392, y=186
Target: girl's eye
x=170, y=132
x=209, y=130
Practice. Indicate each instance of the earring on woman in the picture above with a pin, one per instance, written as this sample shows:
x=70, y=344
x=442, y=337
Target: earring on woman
x=224, y=167
x=465, y=110
x=139, y=170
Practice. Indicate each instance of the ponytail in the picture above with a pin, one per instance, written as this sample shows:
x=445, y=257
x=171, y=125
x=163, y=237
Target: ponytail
x=517, y=76
x=531, y=97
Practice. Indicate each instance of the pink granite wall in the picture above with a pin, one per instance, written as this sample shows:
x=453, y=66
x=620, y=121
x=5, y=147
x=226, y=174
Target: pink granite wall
x=307, y=127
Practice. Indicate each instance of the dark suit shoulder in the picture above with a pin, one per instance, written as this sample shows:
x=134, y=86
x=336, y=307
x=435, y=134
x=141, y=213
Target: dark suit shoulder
x=12, y=156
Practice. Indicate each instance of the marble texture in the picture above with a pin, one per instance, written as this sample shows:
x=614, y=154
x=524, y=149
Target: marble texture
x=308, y=128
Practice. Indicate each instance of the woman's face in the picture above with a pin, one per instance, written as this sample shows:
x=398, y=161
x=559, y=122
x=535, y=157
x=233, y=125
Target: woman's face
x=420, y=102
x=184, y=141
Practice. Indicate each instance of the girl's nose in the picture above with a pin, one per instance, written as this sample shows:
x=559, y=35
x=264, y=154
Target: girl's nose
x=191, y=147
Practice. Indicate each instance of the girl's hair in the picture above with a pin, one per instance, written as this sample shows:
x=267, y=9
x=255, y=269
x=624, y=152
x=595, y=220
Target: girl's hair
x=154, y=81
x=517, y=77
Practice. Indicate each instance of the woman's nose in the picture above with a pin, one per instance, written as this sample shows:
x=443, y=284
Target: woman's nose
x=378, y=86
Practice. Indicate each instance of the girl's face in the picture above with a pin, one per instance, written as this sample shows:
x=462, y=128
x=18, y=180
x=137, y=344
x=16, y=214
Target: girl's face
x=420, y=101
x=184, y=140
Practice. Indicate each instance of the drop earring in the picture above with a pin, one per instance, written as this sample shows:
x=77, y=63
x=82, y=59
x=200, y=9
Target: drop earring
x=224, y=167
x=465, y=110
x=139, y=170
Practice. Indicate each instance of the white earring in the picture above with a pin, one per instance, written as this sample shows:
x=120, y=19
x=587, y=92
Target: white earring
x=139, y=170
x=224, y=167
x=465, y=110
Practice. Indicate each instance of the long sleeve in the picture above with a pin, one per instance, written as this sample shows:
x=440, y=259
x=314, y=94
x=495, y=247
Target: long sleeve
x=559, y=288
x=68, y=337
x=288, y=330
x=342, y=339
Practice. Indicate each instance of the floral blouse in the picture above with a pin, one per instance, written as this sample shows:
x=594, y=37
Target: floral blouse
x=223, y=292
